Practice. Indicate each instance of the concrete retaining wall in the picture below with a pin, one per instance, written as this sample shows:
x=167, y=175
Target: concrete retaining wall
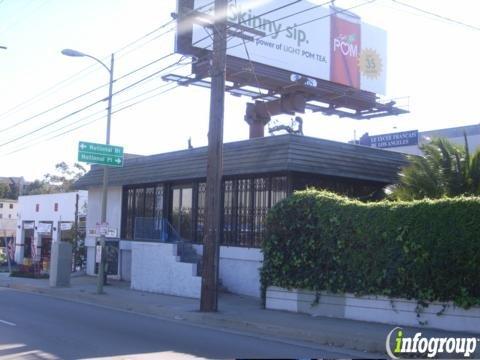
x=156, y=268
x=380, y=309
x=239, y=269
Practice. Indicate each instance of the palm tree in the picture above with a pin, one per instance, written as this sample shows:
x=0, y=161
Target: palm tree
x=445, y=169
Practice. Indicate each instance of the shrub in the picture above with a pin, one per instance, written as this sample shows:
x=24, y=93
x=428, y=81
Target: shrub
x=427, y=250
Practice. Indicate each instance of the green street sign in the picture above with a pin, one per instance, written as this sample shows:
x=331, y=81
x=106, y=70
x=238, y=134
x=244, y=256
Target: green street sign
x=100, y=154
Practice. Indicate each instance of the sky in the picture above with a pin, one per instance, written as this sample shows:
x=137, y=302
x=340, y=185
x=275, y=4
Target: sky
x=433, y=68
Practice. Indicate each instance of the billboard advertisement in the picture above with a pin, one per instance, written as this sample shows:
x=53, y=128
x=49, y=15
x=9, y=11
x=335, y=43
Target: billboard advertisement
x=319, y=42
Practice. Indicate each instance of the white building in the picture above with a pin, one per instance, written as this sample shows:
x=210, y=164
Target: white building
x=156, y=206
x=43, y=219
x=455, y=135
x=8, y=222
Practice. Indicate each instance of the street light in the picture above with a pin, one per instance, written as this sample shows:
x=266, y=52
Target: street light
x=101, y=268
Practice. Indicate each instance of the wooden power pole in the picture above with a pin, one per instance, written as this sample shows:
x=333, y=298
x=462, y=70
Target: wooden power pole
x=213, y=206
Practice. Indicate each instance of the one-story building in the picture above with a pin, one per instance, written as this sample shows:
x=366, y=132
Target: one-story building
x=46, y=218
x=156, y=205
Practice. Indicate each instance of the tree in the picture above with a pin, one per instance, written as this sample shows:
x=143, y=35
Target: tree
x=445, y=169
x=65, y=176
x=61, y=180
x=8, y=190
x=4, y=190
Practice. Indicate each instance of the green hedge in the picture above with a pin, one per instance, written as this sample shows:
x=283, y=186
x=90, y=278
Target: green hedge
x=427, y=250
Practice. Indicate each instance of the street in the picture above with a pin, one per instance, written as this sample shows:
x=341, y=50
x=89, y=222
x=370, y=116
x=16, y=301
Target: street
x=36, y=326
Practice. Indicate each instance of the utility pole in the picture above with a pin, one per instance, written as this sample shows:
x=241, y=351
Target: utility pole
x=75, y=233
x=213, y=206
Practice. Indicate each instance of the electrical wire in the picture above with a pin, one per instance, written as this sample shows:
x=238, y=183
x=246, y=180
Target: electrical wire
x=87, y=107
x=177, y=85
x=134, y=71
x=30, y=145
x=77, y=121
x=84, y=94
x=438, y=16
x=49, y=90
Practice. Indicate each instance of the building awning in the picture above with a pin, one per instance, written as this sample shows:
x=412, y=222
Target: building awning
x=275, y=154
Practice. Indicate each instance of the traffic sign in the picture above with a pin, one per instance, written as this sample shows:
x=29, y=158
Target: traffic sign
x=100, y=154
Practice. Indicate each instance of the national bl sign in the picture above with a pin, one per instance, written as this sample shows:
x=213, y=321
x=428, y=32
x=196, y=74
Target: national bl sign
x=100, y=154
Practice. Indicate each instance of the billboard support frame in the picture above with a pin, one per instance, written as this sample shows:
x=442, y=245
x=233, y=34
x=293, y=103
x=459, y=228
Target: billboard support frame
x=335, y=98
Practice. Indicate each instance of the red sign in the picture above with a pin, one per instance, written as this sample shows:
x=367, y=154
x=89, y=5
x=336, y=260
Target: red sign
x=345, y=48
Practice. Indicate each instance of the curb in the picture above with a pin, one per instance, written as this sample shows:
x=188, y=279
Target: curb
x=224, y=322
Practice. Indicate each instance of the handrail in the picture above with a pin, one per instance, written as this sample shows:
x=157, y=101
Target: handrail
x=153, y=229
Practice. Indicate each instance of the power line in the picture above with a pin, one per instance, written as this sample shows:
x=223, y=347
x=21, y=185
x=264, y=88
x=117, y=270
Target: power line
x=97, y=113
x=67, y=80
x=206, y=56
x=52, y=123
x=89, y=122
x=84, y=94
x=128, y=74
x=87, y=107
x=442, y=17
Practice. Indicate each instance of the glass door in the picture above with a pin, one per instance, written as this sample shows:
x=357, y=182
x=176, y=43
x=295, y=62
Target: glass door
x=181, y=217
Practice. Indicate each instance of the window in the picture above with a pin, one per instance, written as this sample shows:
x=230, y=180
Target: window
x=182, y=197
x=9, y=216
x=149, y=202
x=200, y=219
x=1, y=216
x=11, y=206
x=37, y=207
x=1, y=205
x=129, y=214
x=142, y=204
x=246, y=204
x=55, y=207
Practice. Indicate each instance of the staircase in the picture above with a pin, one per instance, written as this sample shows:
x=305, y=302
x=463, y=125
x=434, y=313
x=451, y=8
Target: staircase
x=188, y=254
x=161, y=231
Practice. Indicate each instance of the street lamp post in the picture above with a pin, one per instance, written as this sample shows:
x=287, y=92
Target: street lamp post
x=101, y=267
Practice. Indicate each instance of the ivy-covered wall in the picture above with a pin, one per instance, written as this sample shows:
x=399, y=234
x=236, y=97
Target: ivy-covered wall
x=427, y=250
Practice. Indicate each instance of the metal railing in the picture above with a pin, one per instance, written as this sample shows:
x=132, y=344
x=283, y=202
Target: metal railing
x=151, y=229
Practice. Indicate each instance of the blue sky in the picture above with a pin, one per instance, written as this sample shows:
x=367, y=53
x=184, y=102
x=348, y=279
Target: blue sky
x=434, y=62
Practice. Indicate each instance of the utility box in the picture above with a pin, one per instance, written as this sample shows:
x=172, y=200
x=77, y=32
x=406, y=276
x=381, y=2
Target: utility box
x=60, y=264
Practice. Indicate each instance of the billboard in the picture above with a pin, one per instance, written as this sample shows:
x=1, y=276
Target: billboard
x=319, y=42
x=384, y=141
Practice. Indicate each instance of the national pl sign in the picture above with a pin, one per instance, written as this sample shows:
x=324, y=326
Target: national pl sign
x=100, y=154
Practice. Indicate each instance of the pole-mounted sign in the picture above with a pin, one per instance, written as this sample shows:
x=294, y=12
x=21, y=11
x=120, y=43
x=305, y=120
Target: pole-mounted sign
x=100, y=154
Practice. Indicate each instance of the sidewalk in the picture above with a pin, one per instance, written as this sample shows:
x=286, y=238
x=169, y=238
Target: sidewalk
x=236, y=313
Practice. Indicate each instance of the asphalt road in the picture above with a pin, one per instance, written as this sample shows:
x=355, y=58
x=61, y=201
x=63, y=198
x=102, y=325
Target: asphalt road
x=36, y=326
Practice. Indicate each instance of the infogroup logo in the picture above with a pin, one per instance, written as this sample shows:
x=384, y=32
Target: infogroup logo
x=404, y=346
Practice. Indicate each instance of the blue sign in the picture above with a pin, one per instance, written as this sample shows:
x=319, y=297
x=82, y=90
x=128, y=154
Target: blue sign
x=384, y=141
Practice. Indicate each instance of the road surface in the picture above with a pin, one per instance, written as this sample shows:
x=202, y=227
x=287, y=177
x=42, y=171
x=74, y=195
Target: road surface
x=36, y=326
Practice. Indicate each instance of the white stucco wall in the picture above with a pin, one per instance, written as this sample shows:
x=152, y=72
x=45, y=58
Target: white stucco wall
x=8, y=218
x=399, y=312
x=156, y=268
x=27, y=212
x=239, y=269
x=114, y=214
